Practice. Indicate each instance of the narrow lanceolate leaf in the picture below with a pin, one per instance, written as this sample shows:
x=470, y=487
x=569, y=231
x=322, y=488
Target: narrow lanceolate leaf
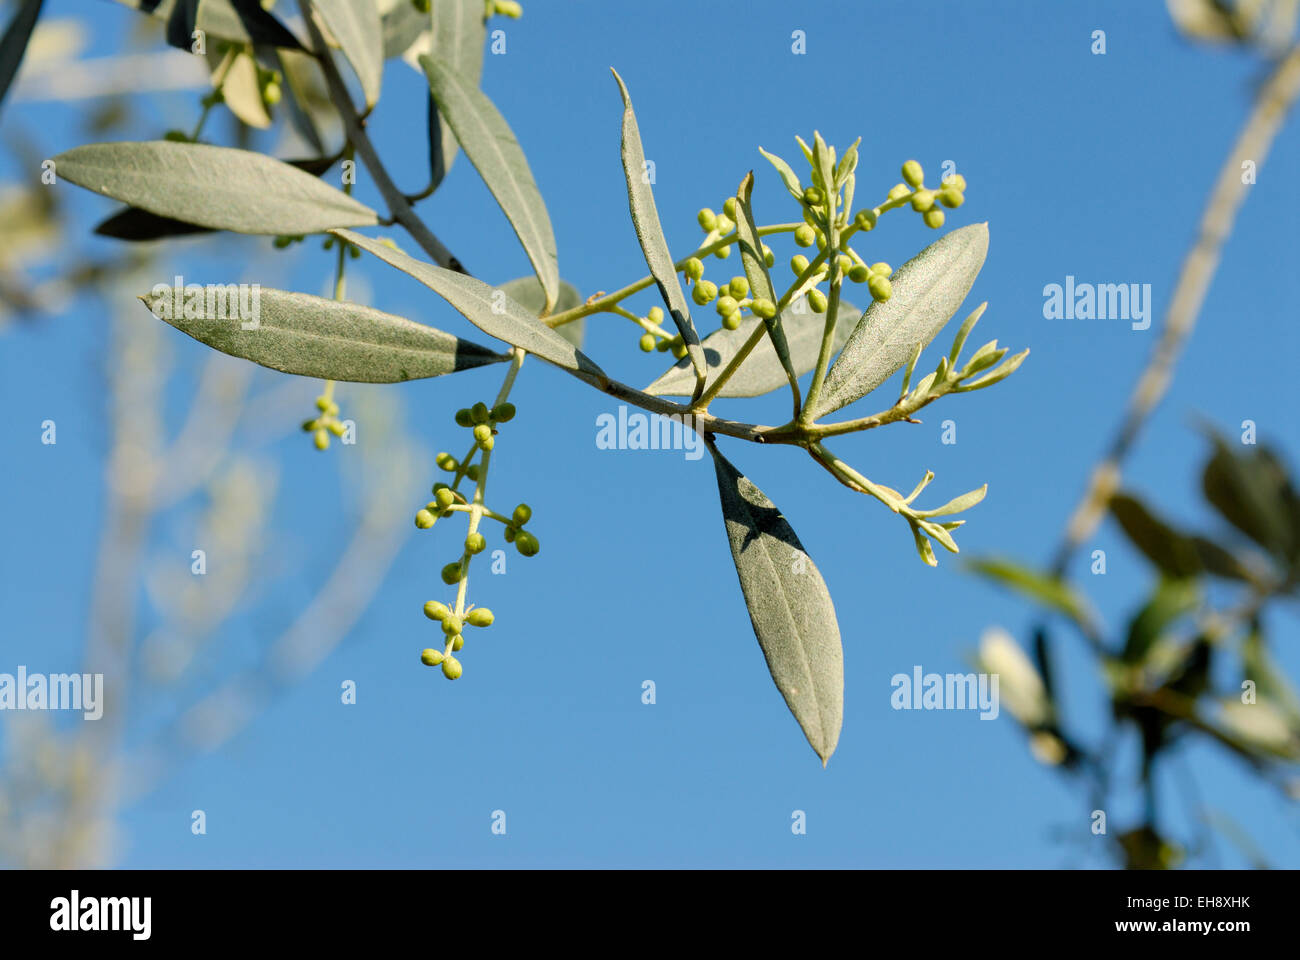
x=459, y=32
x=760, y=284
x=927, y=290
x=486, y=139
x=312, y=336
x=528, y=293
x=215, y=187
x=240, y=21
x=134, y=224
x=645, y=218
x=488, y=308
x=763, y=371
x=14, y=42
x=788, y=176
x=355, y=25
x=789, y=606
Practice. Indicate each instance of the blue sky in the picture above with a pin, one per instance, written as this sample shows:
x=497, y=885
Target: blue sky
x=1083, y=165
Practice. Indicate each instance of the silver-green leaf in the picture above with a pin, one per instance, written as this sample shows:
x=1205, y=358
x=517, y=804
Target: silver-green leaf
x=356, y=26
x=314, y=337
x=927, y=290
x=487, y=140
x=762, y=372
x=216, y=187
x=459, y=32
x=789, y=606
x=760, y=283
x=488, y=308
x=645, y=218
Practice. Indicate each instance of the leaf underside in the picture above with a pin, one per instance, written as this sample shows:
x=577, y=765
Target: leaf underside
x=789, y=607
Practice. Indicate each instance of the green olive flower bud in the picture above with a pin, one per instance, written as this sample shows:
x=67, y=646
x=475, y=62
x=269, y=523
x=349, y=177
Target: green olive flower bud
x=923, y=200
x=457, y=642
x=472, y=472
x=813, y=196
x=951, y=197
x=763, y=308
x=446, y=462
x=451, y=625
x=679, y=348
x=479, y=413
x=523, y=513
x=738, y=288
x=913, y=173
x=527, y=544
x=933, y=218
x=430, y=657
x=271, y=94
x=482, y=433
x=435, y=610
x=704, y=292
x=882, y=268
x=647, y=342
x=694, y=268
x=479, y=617
x=798, y=264
x=846, y=264
x=503, y=412
x=708, y=221
x=509, y=8
x=451, y=573
x=859, y=273
x=462, y=417
x=444, y=498
x=880, y=287
x=322, y=404
x=722, y=253
x=421, y=5
x=451, y=668
x=731, y=321
x=336, y=428
x=769, y=257
x=509, y=535
x=898, y=191
x=726, y=225
x=726, y=306
x=956, y=181
x=475, y=543
x=865, y=220
x=729, y=207
x=322, y=439
x=804, y=235
x=424, y=519
x=663, y=346
x=817, y=300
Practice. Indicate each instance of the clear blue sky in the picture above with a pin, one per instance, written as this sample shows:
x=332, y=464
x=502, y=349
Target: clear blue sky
x=1083, y=165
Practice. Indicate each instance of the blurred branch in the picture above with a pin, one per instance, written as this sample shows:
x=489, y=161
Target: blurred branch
x=1272, y=103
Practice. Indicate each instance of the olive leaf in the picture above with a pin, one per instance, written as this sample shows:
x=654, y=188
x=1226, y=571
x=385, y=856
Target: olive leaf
x=355, y=25
x=650, y=233
x=1044, y=589
x=14, y=42
x=789, y=606
x=134, y=224
x=760, y=284
x=459, y=32
x=489, y=309
x=927, y=290
x=528, y=293
x=239, y=21
x=1254, y=494
x=216, y=187
x=1171, y=600
x=314, y=337
x=490, y=145
x=763, y=370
